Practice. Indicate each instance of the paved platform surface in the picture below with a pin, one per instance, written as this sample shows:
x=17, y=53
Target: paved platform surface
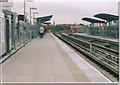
x=49, y=60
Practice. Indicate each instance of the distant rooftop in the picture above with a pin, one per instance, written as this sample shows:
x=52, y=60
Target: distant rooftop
x=69, y=25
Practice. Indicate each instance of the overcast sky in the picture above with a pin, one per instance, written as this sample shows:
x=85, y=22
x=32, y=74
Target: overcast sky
x=68, y=11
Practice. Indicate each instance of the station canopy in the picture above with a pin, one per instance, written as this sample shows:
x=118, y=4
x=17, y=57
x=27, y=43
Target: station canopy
x=7, y=12
x=44, y=19
x=92, y=20
x=107, y=17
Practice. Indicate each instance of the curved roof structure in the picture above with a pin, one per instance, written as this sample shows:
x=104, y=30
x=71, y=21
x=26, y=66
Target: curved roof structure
x=92, y=20
x=7, y=12
x=108, y=17
x=44, y=19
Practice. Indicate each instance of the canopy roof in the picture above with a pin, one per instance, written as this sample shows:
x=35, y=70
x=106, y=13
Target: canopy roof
x=44, y=19
x=108, y=17
x=7, y=12
x=92, y=20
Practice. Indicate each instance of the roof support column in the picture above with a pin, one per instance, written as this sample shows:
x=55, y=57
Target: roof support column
x=109, y=23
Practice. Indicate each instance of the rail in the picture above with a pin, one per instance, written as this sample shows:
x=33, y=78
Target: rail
x=105, y=56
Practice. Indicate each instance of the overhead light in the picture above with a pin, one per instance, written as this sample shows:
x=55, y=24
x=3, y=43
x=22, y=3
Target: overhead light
x=34, y=8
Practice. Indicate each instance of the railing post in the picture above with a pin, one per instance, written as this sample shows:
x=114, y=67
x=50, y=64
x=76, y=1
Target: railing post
x=19, y=33
x=90, y=47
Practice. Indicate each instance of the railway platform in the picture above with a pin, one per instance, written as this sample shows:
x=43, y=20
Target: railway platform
x=49, y=60
x=108, y=42
x=98, y=37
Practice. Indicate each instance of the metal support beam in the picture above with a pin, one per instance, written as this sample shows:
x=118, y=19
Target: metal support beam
x=14, y=27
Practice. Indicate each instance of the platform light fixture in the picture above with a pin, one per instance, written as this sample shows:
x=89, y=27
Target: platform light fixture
x=25, y=15
x=30, y=12
x=34, y=15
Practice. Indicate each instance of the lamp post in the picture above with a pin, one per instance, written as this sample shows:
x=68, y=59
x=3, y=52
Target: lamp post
x=24, y=19
x=34, y=15
x=30, y=12
x=35, y=26
x=30, y=22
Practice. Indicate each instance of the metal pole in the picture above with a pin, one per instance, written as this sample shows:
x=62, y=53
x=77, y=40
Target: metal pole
x=30, y=24
x=33, y=18
x=30, y=15
x=24, y=25
x=19, y=33
x=14, y=23
x=77, y=29
x=33, y=27
x=90, y=47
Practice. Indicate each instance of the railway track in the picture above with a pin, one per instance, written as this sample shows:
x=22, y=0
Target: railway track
x=107, y=58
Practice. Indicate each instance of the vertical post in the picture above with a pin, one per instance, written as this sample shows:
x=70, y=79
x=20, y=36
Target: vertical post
x=19, y=32
x=33, y=17
x=29, y=30
x=90, y=47
x=33, y=27
x=26, y=31
x=77, y=29
x=34, y=24
x=24, y=26
x=105, y=25
x=14, y=23
x=10, y=34
x=30, y=15
x=93, y=24
x=109, y=23
x=30, y=24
